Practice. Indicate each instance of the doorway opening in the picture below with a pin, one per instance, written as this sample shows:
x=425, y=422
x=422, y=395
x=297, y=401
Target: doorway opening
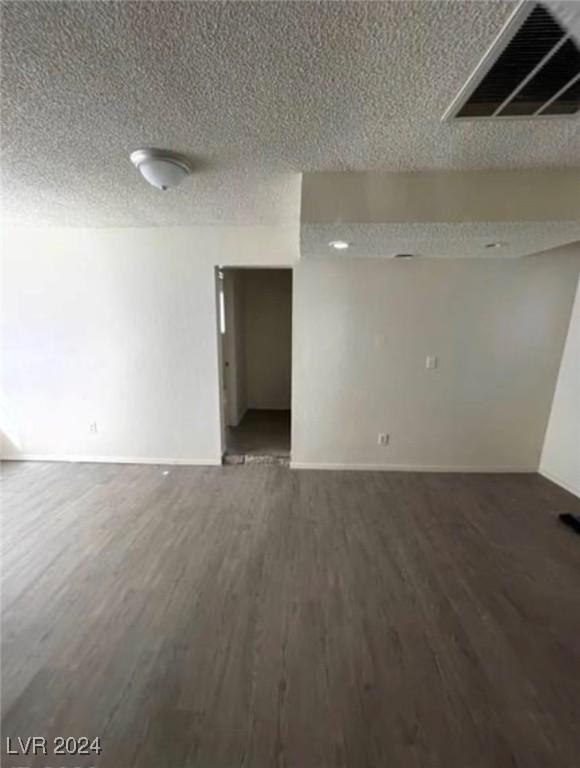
x=255, y=330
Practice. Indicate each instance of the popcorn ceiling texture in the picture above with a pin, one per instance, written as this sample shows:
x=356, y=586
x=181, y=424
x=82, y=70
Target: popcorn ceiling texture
x=457, y=240
x=255, y=93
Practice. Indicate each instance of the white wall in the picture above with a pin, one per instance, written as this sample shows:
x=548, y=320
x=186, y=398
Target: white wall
x=362, y=331
x=561, y=453
x=234, y=350
x=118, y=327
x=267, y=337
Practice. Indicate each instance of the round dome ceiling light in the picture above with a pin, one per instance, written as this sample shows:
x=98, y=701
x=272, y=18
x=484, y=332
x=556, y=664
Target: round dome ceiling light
x=339, y=245
x=160, y=168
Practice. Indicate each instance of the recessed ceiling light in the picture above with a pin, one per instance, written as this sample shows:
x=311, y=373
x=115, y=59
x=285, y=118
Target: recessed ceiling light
x=340, y=245
x=160, y=168
x=494, y=245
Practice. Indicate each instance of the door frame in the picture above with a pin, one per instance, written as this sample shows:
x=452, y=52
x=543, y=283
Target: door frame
x=219, y=280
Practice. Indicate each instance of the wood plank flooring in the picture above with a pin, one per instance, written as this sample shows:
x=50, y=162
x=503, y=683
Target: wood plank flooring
x=255, y=616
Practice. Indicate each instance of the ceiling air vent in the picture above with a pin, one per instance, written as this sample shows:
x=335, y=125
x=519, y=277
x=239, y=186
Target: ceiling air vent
x=532, y=69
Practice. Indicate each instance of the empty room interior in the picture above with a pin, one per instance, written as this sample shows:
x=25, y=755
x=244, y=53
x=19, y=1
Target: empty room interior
x=290, y=386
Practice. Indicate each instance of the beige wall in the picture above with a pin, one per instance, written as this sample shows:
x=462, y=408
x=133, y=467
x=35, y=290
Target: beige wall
x=329, y=197
x=267, y=337
x=440, y=213
x=561, y=453
x=363, y=330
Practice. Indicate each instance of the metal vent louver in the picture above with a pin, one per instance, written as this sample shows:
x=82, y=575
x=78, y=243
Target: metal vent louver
x=533, y=69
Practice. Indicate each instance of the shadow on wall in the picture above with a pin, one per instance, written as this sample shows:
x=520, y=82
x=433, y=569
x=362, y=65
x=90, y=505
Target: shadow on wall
x=10, y=441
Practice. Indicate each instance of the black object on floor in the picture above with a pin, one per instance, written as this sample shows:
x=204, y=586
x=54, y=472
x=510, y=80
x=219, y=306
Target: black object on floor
x=573, y=521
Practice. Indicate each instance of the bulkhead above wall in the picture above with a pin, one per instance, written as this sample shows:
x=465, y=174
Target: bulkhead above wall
x=439, y=213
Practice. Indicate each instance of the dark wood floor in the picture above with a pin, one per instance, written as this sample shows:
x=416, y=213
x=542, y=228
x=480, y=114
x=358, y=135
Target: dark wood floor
x=257, y=616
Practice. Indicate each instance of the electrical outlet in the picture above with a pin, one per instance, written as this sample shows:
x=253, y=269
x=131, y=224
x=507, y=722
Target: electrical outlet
x=383, y=438
x=93, y=427
x=431, y=362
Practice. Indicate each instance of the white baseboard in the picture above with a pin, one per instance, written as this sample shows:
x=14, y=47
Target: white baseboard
x=114, y=460
x=558, y=481
x=293, y=465
x=412, y=468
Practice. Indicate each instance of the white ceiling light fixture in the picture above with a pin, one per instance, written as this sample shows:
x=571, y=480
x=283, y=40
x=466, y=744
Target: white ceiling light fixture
x=161, y=168
x=339, y=245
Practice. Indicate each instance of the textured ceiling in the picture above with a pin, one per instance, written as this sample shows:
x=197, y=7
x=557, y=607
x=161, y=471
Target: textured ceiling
x=255, y=92
x=437, y=239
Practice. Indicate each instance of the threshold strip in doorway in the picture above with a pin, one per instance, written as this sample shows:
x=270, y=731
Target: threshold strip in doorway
x=237, y=459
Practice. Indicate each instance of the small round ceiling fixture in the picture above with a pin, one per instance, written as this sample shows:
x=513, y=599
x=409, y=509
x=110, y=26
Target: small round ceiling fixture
x=339, y=245
x=160, y=168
